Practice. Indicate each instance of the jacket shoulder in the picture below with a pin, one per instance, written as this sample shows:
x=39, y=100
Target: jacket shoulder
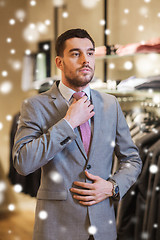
x=104, y=96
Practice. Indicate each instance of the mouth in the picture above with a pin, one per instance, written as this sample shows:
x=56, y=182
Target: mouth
x=85, y=69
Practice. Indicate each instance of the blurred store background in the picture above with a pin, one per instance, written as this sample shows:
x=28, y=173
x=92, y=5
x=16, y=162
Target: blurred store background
x=127, y=31
x=25, y=25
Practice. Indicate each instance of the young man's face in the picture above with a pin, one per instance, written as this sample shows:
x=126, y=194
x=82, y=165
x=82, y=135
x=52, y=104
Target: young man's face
x=78, y=63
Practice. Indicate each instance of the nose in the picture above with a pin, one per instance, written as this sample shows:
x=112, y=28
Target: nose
x=84, y=59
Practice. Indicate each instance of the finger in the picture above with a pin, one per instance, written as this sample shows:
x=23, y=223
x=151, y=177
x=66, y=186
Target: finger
x=83, y=198
x=81, y=191
x=83, y=99
x=91, y=176
x=88, y=102
x=91, y=107
x=92, y=113
x=74, y=100
x=90, y=203
x=84, y=184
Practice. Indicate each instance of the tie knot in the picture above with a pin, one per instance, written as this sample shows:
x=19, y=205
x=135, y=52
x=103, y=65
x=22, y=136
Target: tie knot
x=78, y=95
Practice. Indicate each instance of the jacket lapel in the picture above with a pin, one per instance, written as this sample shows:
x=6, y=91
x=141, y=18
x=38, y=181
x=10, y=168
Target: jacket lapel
x=97, y=121
x=80, y=143
x=96, y=125
x=62, y=108
x=58, y=100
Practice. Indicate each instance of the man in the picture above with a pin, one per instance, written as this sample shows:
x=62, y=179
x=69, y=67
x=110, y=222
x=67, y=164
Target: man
x=74, y=201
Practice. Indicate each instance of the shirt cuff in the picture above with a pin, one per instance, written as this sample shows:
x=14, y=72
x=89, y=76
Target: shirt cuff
x=69, y=124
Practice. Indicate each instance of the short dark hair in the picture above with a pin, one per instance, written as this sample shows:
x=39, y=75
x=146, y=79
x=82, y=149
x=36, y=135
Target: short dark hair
x=72, y=33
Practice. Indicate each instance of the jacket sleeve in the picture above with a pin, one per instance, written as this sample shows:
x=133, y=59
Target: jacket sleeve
x=34, y=147
x=130, y=163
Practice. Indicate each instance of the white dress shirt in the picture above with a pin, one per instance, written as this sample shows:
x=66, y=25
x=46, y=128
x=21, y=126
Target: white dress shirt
x=67, y=94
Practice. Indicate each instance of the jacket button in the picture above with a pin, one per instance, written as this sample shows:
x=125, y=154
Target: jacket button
x=88, y=166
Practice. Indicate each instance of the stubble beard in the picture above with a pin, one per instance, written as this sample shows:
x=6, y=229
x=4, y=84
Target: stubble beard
x=79, y=81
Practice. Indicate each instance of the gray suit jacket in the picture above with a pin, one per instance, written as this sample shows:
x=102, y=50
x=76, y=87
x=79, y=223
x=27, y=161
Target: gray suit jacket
x=45, y=140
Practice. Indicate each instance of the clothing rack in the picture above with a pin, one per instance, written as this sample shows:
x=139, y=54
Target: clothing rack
x=138, y=212
x=153, y=108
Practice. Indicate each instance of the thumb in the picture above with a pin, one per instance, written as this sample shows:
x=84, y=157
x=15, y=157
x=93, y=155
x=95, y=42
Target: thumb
x=74, y=100
x=91, y=176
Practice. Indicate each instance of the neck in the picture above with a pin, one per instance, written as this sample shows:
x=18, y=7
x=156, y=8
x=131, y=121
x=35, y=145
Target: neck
x=75, y=88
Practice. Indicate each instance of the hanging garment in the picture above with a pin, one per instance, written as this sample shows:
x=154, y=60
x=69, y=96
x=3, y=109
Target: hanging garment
x=30, y=184
x=134, y=207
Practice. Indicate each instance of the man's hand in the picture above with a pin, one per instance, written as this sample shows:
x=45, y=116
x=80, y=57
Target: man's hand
x=92, y=193
x=79, y=112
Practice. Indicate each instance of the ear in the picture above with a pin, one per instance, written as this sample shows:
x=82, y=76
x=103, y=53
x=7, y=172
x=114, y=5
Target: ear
x=59, y=62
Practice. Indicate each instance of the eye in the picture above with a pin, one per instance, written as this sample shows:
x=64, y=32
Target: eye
x=90, y=53
x=76, y=54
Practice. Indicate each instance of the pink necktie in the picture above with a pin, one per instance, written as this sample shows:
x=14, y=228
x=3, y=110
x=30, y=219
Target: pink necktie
x=84, y=128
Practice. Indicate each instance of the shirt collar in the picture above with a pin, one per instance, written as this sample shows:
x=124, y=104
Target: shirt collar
x=68, y=92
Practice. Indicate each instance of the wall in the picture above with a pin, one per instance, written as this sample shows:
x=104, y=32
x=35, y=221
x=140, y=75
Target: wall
x=12, y=96
x=11, y=63
x=30, y=28
x=81, y=16
x=123, y=27
x=133, y=22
